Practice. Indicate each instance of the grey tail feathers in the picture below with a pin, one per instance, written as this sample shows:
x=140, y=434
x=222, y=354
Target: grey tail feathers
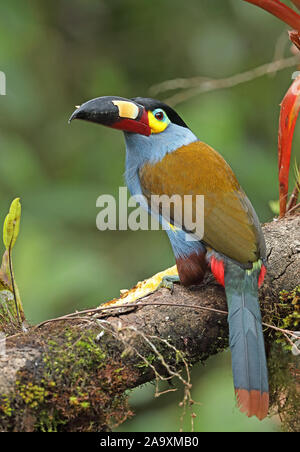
x=246, y=339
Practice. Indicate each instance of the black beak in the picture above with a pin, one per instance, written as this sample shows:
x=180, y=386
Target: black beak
x=100, y=110
x=115, y=112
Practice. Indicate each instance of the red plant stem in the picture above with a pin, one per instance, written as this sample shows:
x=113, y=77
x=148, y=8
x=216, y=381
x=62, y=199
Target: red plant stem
x=280, y=10
x=289, y=111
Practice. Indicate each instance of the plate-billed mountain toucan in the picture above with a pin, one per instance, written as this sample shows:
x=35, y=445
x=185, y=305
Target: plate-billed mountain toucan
x=164, y=157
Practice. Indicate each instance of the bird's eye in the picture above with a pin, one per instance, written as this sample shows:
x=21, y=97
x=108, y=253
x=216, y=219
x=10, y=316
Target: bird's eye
x=159, y=115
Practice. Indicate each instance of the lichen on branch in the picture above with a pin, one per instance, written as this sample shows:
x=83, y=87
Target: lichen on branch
x=74, y=374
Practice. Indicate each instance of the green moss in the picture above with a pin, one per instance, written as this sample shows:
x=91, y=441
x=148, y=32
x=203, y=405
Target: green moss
x=284, y=387
x=79, y=389
x=150, y=359
x=5, y=406
x=287, y=314
x=283, y=366
x=32, y=395
x=291, y=300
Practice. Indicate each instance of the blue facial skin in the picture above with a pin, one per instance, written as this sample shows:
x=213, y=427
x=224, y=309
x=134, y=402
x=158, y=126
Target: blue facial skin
x=162, y=116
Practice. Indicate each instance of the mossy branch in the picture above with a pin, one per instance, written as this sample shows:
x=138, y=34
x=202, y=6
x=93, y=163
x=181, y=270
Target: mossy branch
x=73, y=374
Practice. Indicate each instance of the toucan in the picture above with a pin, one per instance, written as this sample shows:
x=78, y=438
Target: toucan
x=164, y=157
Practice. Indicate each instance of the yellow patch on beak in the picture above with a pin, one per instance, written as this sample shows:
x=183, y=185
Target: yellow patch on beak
x=127, y=110
x=156, y=126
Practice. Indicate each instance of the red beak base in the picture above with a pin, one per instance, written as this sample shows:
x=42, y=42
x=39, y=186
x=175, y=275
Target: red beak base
x=140, y=126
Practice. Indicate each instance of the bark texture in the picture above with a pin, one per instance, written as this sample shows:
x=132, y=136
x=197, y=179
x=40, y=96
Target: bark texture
x=72, y=374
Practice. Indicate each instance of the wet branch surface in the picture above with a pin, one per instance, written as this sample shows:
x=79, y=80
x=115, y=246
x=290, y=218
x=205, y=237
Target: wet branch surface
x=72, y=375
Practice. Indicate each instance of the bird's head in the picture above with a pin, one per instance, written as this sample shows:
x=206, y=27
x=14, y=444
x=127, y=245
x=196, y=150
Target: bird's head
x=143, y=116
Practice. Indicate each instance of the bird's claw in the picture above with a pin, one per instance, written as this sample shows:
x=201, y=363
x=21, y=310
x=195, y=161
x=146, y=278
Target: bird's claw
x=167, y=282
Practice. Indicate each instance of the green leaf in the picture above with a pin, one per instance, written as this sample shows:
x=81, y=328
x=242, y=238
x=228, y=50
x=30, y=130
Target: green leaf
x=274, y=206
x=11, y=229
x=11, y=225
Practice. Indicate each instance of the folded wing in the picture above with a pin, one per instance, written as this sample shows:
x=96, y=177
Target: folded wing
x=231, y=226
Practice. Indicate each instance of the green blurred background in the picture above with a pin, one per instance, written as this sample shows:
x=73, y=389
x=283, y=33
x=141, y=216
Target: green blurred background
x=61, y=53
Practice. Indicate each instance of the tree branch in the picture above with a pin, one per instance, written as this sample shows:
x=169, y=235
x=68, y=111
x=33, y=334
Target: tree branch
x=72, y=374
x=197, y=85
